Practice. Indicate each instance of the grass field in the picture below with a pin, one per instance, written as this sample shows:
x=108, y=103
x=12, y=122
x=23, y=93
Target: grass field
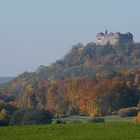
x=120, y=130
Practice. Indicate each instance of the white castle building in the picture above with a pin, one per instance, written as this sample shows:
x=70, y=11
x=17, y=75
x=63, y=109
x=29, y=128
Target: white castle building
x=114, y=38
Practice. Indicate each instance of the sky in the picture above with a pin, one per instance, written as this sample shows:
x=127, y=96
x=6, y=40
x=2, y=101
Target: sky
x=39, y=32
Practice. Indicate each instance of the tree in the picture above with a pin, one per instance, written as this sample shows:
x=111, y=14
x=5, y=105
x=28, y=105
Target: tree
x=3, y=118
x=31, y=116
x=28, y=98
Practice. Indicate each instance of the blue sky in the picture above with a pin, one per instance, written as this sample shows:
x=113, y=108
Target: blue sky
x=38, y=32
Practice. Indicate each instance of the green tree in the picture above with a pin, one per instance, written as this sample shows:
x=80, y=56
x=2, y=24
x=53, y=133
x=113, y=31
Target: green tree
x=31, y=116
x=28, y=98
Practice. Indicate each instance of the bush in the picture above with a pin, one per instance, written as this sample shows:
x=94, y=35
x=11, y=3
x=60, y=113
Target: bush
x=127, y=112
x=77, y=122
x=137, y=119
x=30, y=116
x=97, y=120
x=60, y=122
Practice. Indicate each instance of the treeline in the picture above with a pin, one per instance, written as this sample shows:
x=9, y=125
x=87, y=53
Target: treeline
x=103, y=94
x=83, y=96
x=100, y=95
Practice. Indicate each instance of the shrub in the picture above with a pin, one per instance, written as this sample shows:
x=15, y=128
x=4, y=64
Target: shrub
x=60, y=122
x=77, y=122
x=97, y=120
x=126, y=112
x=137, y=118
x=4, y=119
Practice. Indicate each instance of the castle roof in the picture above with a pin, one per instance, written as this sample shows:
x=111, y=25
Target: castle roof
x=117, y=34
x=111, y=34
x=100, y=34
x=129, y=34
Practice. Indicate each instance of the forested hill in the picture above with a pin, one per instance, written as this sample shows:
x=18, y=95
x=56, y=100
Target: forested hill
x=90, y=80
x=82, y=60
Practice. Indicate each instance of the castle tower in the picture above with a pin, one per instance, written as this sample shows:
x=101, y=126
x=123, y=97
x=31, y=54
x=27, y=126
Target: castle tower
x=106, y=38
x=106, y=32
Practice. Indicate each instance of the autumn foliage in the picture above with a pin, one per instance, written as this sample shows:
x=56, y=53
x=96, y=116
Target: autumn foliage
x=92, y=96
x=137, y=119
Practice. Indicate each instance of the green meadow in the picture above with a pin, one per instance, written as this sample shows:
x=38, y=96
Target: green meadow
x=110, y=130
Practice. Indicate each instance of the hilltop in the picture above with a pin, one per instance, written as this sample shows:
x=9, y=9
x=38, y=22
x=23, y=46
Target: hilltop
x=92, y=59
x=89, y=60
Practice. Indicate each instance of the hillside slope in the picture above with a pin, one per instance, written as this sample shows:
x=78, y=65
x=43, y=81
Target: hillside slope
x=92, y=59
x=90, y=80
x=81, y=61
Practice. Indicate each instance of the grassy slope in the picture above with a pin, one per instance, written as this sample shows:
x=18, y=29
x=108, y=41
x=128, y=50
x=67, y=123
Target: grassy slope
x=85, y=131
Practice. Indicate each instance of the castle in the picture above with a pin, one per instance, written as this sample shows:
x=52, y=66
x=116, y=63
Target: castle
x=114, y=38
